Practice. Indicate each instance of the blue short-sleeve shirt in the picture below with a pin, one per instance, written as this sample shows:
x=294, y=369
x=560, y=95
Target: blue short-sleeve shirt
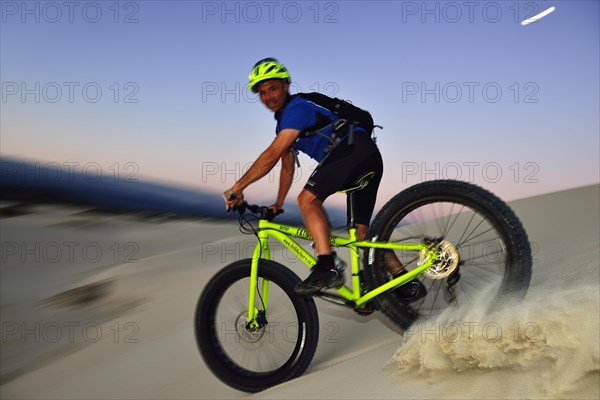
x=300, y=114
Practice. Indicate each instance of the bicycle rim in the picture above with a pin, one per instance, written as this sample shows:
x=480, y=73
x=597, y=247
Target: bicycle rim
x=255, y=359
x=265, y=349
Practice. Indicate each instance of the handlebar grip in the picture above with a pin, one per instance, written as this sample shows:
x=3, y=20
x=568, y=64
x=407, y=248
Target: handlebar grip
x=264, y=211
x=240, y=208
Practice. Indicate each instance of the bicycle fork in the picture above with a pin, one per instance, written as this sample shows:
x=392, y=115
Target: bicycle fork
x=256, y=317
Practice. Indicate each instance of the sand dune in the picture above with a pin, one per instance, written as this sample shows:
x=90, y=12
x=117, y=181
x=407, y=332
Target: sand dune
x=133, y=336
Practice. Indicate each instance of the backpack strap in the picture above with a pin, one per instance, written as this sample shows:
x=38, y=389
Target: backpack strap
x=342, y=127
x=322, y=124
x=295, y=154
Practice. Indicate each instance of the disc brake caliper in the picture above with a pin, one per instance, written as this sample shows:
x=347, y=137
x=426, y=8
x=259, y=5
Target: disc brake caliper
x=258, y=322
x=446, y=265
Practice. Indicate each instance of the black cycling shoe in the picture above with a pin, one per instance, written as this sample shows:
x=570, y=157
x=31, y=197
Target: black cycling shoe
x=410, y=291
x=320, y=278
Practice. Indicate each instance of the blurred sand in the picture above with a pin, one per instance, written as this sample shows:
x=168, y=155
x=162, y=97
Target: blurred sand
x=126, y=331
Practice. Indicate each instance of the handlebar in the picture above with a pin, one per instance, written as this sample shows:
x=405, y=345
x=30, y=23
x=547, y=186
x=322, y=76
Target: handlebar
x=263, y=211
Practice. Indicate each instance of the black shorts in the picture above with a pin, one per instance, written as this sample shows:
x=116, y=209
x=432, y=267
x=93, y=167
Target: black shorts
x=343, y=167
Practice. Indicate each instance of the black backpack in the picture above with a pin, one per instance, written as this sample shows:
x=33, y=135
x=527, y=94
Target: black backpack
x=346, y=110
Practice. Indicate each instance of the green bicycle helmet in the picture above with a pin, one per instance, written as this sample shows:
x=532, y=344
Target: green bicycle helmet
x=267, y=68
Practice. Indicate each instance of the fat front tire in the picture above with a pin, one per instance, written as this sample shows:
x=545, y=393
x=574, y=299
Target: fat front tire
x=254, y=359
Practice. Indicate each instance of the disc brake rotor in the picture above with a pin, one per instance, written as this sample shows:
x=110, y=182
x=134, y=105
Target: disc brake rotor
x=446, y=263
x=246, y=334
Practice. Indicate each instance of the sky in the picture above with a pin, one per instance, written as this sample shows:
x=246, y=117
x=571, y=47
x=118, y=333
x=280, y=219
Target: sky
x=156, y=90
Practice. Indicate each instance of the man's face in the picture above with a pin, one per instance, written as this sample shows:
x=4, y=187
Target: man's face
x=273, y=93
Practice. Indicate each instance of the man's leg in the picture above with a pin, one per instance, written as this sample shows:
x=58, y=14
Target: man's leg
x=392, y=263
x=315, y=220
x=408, y=292
x=324, y=275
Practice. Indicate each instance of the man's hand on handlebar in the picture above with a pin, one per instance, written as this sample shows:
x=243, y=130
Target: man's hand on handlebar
x=275, y=208
x=232, y=199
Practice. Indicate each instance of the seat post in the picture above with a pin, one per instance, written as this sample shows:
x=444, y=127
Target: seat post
x=360, y=184
x=351, y=211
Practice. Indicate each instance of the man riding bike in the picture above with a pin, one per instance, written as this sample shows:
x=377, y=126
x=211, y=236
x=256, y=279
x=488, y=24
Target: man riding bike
x=339, y=168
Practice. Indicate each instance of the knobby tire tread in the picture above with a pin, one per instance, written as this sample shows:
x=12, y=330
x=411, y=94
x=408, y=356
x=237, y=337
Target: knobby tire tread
x=218, y=362
x=516, y=278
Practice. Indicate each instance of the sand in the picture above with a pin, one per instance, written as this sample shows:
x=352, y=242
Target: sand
x=102, y=307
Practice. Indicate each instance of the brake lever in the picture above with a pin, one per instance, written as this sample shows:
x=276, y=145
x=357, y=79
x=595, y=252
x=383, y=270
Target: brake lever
x=264, y=211
x=269, y=214
x=240, y=208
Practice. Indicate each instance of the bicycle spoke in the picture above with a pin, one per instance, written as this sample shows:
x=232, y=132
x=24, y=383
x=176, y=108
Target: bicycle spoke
x=469, y=232
x=479, y=244
x=449, y=227
x=240, y=344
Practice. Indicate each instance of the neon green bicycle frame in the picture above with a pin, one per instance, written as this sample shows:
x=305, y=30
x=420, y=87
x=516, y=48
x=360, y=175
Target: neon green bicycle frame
x=285, y=233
